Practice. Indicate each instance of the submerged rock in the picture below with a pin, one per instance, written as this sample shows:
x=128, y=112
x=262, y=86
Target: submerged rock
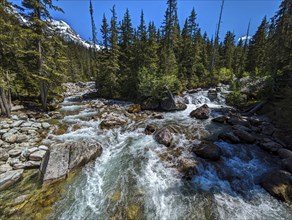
x=9, y=178
x=229, y=137
x=207, y=150
x=278, y=184
x=270, y=146
x=188, y=168
x=202, y=112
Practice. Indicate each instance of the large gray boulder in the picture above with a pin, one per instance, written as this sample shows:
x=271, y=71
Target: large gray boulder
x=173, y=103
x=202, y=112
x=9, y=178
x=65, y=157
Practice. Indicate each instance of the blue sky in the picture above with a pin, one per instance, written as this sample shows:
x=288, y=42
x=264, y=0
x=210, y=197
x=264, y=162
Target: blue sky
x=236, y=14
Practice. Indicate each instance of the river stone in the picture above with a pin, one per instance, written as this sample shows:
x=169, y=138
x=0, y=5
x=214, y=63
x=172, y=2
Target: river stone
x=9, y=178
x=4, y=131
x=278, y=184
x=164, y=136
x=58, y=163
x=271, y=146
x=22, y=138
x=45, y=125
x=37, y=155
x=83, y=152
x=112, y=122
x=37, y=125
x=16, y=124
x=207, y=150
x=220, y=119
x=242, y=128
x=245, y=136
x=229, y=137
x=11, y=138
x=4, y=168
x=202, y=112
x=188, y=167
x=136, y=108
x=15, y=152
x=27, y=124
x=43, y=147
x=285, y=153
x=3, y=155
x=150, y=129
x=287, y=165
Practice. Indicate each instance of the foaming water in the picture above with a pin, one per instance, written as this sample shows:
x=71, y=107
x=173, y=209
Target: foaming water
x=130, y=181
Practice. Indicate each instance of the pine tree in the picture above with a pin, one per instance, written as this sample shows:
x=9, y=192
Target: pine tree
x=228, y=50
x=105, y=32
x=257, y=49
x=192, y=24
x=38, y=14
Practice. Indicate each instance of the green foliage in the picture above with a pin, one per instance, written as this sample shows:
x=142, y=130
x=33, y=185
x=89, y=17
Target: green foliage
x=236, y=98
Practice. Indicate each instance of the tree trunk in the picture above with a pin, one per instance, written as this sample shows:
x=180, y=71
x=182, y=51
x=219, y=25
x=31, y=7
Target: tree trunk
x=4, y=103
x=44, y=93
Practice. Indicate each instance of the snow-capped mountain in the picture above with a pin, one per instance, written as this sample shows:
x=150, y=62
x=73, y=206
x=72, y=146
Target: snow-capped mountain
x=244, y=38
x=60, y=27
x=68, y=34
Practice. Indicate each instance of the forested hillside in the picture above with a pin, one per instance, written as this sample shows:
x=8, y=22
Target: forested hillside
x=137, y=63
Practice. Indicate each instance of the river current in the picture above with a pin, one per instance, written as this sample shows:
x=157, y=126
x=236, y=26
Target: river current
x=130, y=181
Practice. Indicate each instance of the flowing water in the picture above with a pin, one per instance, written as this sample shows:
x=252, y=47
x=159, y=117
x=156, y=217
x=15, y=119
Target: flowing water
x=130, y=181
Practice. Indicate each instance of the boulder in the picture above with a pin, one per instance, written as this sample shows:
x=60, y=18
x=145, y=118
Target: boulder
x=220, y=119
x=245, y=136
x=150, y=105
x=150, y=129
x=287, y=165
x=9, y=178
x=173, y=103
x=65, y=157
x=83, y=152
x=45, y=125
x=134, y=108
x=164, y=136
x=3, y=155
x=278, y=184
x=267, y=129
x=15, y=152
x=112, y=122
x=202, y=112
x=188, y=168
x=11, y=138
x=207, y=150
x=270, y=146
x=284, y=153
x=229, y=137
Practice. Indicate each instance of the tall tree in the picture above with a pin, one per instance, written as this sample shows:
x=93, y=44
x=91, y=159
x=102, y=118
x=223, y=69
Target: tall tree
x=38, y=14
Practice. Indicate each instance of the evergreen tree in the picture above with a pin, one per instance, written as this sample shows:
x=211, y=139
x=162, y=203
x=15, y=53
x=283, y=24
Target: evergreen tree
x=228, y=50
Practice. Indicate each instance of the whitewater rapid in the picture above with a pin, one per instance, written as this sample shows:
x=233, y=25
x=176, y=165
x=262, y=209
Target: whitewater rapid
x=130, y=181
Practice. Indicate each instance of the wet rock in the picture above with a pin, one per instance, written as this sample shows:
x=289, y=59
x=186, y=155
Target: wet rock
x=188, y=167
x=9, y=178
x=150, y=105
x=284, y=153
x=173, y=103
x=220, y=119
x=65, y=157
x=237, y=120
x=22, y=138
x=37, y=155
x=83, y=152
x=112, y=122
x=242, y=128
x=207, y=150
x=157, y=116
x=229, y=137
x=278, y=184
x=287, y=164
x=58, y=163
x=212, y=94
x=245, y=136
x=3, y=155
x=270, y=146
x=202, y=112
x=164, y=136
x=134, y=108
x=267, y=129
x=150, y=129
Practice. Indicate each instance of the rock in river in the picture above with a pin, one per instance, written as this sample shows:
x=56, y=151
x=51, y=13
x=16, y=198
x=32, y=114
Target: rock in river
x=164, y=136
x=202, y=112
x=65, y=157
x=207, y=150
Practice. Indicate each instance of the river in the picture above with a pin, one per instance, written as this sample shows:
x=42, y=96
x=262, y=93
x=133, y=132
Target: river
x=130, y=181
